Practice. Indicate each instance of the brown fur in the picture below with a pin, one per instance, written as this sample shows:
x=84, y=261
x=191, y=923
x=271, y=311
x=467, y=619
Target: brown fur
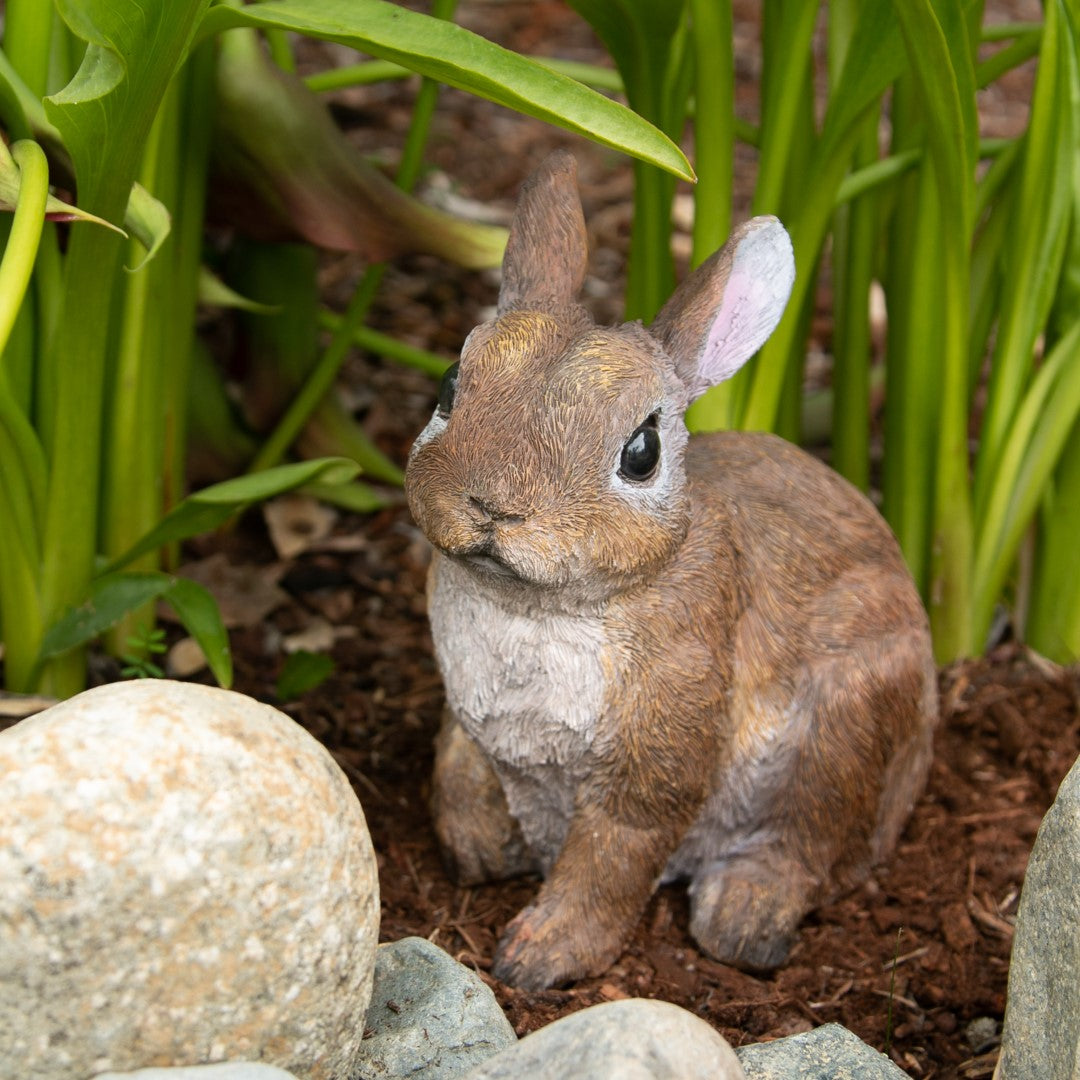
x=757, y=699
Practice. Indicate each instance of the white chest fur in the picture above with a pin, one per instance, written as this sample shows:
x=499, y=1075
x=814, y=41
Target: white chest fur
x=527, y=685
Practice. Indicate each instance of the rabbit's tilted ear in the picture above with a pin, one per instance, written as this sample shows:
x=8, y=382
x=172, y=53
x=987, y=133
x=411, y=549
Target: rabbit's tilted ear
x=723, y=312
x=545, y=258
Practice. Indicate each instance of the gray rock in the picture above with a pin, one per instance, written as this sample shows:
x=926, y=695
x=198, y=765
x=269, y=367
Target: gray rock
x=1041, y=1034
x=830, y=1052
x=228, y=1070
x=185, y=877
x=430, y=1017
x=636, y=1039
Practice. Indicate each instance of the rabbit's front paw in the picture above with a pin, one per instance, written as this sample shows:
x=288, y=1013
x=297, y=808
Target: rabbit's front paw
x=546, y=946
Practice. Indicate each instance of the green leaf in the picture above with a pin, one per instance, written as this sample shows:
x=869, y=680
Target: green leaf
x=213, y=506
x=197, y=609
x=111, y=598
x=148, y=221
x=55, y=209
x=1043, y=423
x=214, y=292
x=302, y=671
x=939, y=52
x=133, y=47
x=114, y=595
x=449, y=54
x=1034, y=250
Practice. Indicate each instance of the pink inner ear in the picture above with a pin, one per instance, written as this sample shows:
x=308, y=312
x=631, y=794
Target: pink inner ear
x=757, y=289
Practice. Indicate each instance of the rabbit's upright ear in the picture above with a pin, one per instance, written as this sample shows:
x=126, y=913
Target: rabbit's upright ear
x=546, y=254
x=724, y=311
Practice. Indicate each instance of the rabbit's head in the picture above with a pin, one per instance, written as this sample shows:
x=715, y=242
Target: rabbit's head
x=554, y=458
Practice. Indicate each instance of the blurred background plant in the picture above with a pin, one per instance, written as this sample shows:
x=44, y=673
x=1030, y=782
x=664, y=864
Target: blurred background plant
x=869, y=150
x=97, y=316
x=867, y=145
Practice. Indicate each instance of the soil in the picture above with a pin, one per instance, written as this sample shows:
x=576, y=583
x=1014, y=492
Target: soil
x=909, y=959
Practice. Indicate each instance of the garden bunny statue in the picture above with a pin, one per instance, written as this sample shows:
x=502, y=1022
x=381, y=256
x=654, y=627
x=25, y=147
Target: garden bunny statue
x=664, y=657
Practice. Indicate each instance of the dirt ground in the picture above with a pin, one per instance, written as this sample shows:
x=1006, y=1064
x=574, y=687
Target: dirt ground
x=912, y=957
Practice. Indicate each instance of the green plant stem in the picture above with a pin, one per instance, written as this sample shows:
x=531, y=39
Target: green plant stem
x=854, y=248
x=28, y=26
x=1036, y=247
x=1053, y=627
x=25, y=234
x=1022, y=49
x=23, y=476
x=786, y=73
x=391, y=348
x=939, y=53
x=714, y=137
x=280, y=50
x=1044, y=420
x=106, y=164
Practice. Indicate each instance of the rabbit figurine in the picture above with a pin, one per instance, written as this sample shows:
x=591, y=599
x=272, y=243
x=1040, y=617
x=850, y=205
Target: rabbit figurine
x=664, y=657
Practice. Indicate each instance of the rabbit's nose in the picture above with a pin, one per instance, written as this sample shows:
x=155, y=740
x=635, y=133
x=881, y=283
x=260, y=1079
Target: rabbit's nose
x=488, y=510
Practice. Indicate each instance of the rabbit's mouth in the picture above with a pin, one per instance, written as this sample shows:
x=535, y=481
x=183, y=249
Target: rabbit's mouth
x=489, y=563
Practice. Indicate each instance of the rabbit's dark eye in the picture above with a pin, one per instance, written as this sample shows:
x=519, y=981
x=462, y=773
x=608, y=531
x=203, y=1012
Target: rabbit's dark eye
x=641, y=454
x=447, y=389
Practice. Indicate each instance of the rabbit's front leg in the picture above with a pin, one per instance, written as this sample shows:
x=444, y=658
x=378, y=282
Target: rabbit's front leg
x=587, y=907
x=478, y=838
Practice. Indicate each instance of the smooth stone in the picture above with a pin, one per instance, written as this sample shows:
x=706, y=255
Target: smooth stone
x=830, y=1052
x=228, y=1070
x=430, y=1017
x=1041, y=1034
x=186, y=877
x=635, y=1039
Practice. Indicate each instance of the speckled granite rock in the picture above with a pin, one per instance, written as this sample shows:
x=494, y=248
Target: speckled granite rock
x=830, y=1052
x=636, y=1039
x=185, y=877
x=1041, y=1036
x=430, y=1017
x=234, y=1070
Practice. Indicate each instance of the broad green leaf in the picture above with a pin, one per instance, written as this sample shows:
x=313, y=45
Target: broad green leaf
x=638, y=34
x=452, y=55
x=213, y=506
x=133, y=47
x=197, y=609
x=302, y=671
x=112, y=596
x=356, y=497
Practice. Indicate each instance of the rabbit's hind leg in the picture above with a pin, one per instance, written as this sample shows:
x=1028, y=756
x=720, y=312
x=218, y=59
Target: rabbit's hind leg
x=479, y=839
x=745, y=908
